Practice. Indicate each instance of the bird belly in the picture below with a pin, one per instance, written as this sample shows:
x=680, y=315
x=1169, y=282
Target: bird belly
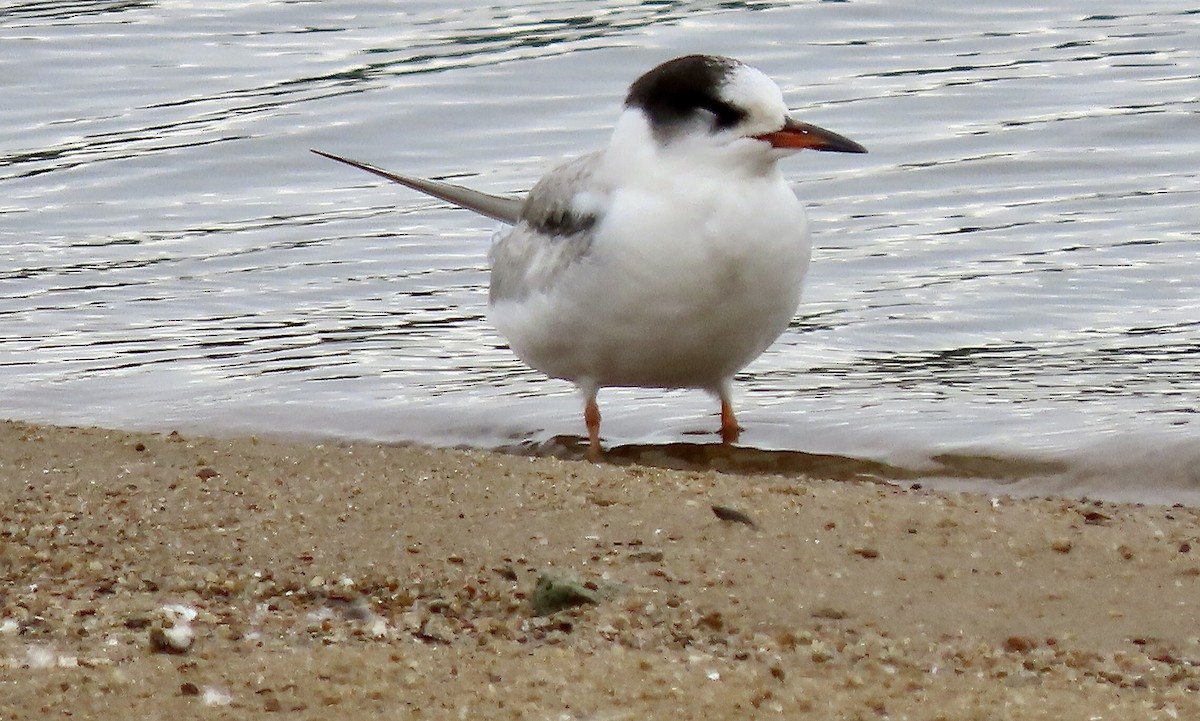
x=657, y=303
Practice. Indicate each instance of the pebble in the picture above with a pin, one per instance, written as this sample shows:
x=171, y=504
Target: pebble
x=172, y=639
x=556, y=594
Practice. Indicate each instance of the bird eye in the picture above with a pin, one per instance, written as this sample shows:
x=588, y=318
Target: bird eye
x=724, y=115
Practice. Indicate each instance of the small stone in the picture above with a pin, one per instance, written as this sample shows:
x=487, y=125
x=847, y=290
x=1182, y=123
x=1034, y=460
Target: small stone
x=713, y=621
x=1018, y=644
x=833, y=614
x=1062, y=545
x=554, y=594
x=173, y=634
x=187, y=688
x=174, y=639
x=733, y=515
x=437, y=629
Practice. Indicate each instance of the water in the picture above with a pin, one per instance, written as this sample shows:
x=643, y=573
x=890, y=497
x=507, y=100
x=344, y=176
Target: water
x=1009, y=281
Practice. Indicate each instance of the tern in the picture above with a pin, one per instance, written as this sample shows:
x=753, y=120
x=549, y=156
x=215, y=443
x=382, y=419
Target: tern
x=673, y=257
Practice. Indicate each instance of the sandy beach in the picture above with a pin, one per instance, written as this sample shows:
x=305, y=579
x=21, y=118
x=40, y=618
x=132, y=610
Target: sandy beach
x=171, y=576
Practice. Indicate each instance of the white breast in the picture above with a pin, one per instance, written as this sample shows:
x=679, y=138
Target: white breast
x=684, y=285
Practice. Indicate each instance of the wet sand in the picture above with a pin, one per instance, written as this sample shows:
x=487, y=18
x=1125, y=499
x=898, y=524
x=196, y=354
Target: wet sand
x=170, y=576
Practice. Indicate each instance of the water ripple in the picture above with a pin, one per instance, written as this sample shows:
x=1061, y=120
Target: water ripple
x=1009, y=275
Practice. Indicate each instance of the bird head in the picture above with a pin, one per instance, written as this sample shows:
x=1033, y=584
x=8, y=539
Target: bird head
x=706, y=102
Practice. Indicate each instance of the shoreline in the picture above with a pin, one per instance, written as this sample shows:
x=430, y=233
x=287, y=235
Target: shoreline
x=362, y=579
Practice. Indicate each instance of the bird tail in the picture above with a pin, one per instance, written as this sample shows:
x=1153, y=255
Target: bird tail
x=504, y=208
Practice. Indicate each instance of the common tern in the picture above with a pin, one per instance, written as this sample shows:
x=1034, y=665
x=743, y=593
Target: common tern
x=671, y=258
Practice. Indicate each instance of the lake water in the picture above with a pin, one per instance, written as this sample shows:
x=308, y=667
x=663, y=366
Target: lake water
x=1005, y=291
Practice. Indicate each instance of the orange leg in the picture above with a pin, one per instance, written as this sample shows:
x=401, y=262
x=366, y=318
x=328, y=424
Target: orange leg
x=591, y=416
x=730, y=430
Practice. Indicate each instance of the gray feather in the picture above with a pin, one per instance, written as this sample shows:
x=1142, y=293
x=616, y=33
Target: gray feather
x=504, y=208
x=553, y=205
x=555, y=231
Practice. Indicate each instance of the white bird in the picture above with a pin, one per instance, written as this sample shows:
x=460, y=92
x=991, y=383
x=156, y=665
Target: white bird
x=670, y=259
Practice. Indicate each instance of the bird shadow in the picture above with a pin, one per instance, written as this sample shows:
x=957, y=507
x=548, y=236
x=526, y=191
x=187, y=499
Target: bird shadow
x=732, y=458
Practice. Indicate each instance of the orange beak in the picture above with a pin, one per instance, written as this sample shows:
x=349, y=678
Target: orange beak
x=798, y=135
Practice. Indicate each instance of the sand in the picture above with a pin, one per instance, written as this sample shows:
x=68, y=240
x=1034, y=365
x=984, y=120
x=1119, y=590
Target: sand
x=170, y=576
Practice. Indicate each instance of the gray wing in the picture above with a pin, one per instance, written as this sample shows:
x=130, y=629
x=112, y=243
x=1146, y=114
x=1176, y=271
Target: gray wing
x=503, y=208
x=555, y=229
